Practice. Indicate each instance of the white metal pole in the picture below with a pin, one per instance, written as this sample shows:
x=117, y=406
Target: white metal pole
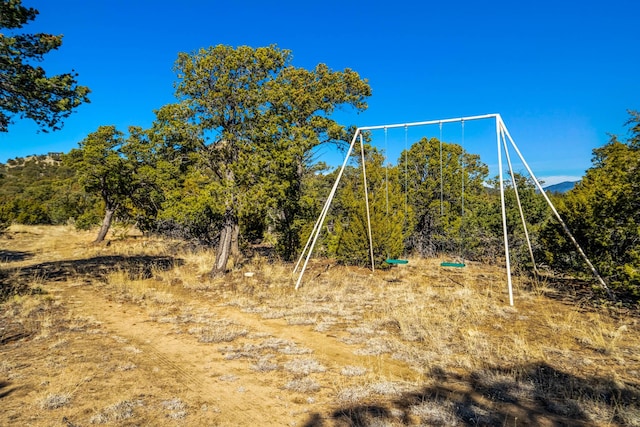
x=515, y=189
x=386, y=171
x=406, y=180
x=315, y=230
x=504, y=214
x=558, y=217
x=429, y=122
x=441, y=177
x=366, y=203
x=462, y=171
x=327, y=204
x=312, y=240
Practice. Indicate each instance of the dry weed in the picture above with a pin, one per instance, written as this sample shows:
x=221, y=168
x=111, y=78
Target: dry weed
x=176, y=407
x=375, y=347
x=420, y=317
x=228, y=378
x=303, y=366
x=353, y=371
x=54, y=400
x=218, y=334
x=437, y=413
x=300, y=320
x=119, y=411
x=302, y=385
x=129, y=366
x=391, y=388
x=353, y=395
x=264, y=364
x=132, y=349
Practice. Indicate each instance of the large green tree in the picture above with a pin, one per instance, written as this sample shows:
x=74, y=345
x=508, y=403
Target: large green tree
x=302, y=102
x=389, y=214
x=259, y=117
x=25, y=89
x=444, y=203
x=603, y=213
x=188, y=209
x=108, y=166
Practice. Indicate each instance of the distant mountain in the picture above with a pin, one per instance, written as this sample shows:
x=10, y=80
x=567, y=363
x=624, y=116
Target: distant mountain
x=561, y=187
x=52, y=158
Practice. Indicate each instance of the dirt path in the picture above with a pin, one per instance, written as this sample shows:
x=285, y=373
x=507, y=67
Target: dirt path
x=216, y=388
x=180, y=363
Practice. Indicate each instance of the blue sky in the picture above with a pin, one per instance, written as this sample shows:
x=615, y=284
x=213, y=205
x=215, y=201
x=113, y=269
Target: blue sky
x=561, y=73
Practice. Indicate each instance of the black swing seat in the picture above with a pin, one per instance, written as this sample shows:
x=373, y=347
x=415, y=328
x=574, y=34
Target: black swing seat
x=396, y=261
x=452, y=264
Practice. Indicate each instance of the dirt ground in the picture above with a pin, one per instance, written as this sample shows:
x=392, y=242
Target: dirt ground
x=88, y=344
x=112, y=352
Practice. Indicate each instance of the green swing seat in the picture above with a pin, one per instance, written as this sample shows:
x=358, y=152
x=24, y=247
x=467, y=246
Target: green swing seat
x=452, y=264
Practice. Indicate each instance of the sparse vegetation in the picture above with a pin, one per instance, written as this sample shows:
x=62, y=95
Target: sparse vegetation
x=303, y=385
x=119, y=411
x=54, y=401
x=417, y=345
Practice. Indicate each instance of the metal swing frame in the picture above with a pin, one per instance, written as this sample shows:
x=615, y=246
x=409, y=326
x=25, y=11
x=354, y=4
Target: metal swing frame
x=502, y=136
x=389, y=260
x=451, y=263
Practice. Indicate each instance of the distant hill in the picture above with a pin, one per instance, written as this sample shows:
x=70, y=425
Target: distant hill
x=52, y=158
x=561, y=187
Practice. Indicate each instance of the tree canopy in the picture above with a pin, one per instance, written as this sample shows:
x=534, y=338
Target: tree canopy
x=603, y=212
x=25, y=89
x=115, y=170
x=231, y=164
x=259, y=117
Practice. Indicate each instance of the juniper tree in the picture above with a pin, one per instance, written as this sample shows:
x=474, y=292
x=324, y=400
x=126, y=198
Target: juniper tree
x=25, y=89
x=603, y=213
x=260, y=118
x=349, y=241
x=439, y=203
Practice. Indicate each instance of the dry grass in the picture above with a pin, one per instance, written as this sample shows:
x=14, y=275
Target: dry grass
x=413, y=345
x=303, y=385
x=221, y=333
x=54, y=401
x=116, y=412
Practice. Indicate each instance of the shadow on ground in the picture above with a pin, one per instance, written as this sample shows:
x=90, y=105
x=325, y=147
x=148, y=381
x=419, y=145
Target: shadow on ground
x=13, y=256
x=584, y=292
x=529, y=395
x=5, y=389
x=18, y=281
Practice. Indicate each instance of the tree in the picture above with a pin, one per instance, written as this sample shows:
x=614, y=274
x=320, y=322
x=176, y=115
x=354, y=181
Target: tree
x=40, y=190
x=438, y=223
x=152, y=167
x=104, y=170
x=25, y=89
x=603, y=212
x=167, y=153
x=534, y=209
x=261, y=117
x=5, y=216
x=302, y=103
x=349, y=241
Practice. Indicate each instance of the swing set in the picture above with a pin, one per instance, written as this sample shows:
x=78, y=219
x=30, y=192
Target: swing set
x=502, y=139
x=393, y=261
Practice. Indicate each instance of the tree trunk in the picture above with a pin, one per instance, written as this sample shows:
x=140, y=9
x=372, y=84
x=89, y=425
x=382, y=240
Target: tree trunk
x=235, y=245
x=228, y=234
x=106, y=223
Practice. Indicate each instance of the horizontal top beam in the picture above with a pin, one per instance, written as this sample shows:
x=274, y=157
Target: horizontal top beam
x=430, y=122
